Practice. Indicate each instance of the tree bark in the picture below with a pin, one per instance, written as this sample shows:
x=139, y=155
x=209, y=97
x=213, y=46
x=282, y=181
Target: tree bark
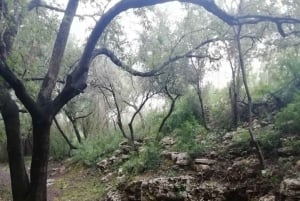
x=243, y=69
x=199, y=93
x=39, y=163
x=10, y=113
x=171, y=109
x=74, y=125
x=71, y=146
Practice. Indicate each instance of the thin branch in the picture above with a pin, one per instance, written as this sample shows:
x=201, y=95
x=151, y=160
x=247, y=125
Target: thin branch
x=57, y=53
x=19, y=89
x=63, y=134
x=41, y=79
x=119, y=63
x=33, y=4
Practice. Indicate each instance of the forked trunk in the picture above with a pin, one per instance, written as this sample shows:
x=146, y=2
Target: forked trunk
x=19, y=178
x=39, y=164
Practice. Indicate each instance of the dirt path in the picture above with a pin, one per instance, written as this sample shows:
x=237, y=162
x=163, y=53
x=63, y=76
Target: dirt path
x=5, y=188
x=65, y=182
x=5, y=194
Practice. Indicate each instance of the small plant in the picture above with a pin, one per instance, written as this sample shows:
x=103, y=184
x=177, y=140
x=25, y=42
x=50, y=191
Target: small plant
x=186, y=138
x=293, y=144
x=288, y=120
x=269, y=140
x=93, y=149
x=146, y=160
x=187, y=109
x=59, y=149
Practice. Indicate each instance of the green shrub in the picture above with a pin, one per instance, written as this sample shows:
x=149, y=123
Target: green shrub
x=288, y=120
x=59, y=149
x=186, y=109
x=294, y=144
x=186, y=136
x=269, y=140
x=93, y=149
x=241, y=140
x=146, y=160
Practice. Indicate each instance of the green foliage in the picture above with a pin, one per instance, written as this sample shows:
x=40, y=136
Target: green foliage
x=293, y=144
x=187, y=110
x=188, y=138
x=146, y=160
x=59, y=149
x=220, y=108
x=288, y=119
x=93, y=149
x=269, y=139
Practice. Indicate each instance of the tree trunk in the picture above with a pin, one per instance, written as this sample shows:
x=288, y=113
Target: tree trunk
x=173, y=101
x=242, y=65
x=167, y=116
x=203, y=116
x=71, y=146
x=234, y=104
x=39, y=164
x=19, y=178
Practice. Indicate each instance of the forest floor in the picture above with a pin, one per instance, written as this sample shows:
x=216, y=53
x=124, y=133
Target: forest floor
x=4, y=183
x=65, y=183
x=229, y=171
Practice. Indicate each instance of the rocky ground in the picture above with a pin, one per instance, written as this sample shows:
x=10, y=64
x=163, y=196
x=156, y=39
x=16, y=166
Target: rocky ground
x=225, y=173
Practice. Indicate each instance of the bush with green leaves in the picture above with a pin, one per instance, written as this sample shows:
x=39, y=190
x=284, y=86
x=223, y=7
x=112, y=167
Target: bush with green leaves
x=288, y=119
x=187, y=109
x=191, y=137
x=269, y=140
x=95, y=148
x=146, y=160
x=293, y=144
x=59, y=149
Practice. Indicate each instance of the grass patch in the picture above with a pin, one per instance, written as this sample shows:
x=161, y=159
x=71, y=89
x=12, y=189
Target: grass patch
x=79, y=184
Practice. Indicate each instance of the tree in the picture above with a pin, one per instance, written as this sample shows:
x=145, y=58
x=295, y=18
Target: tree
x=44, y=109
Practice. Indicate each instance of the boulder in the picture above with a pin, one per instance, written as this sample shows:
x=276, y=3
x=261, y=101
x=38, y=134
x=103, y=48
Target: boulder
x=290, y=189
x=267, y=198
x=113, y=196
x=104, y=164
x=298, y=166
x=183, y=159
x=166, y=188
x=167, y=141
x=285, y=151
x=204, y=161
x=107, y=177
x=201, y=167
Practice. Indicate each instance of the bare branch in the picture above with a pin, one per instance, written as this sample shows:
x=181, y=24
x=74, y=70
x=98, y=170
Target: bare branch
x=155, y=71
x=57, y=53
x=19, y=89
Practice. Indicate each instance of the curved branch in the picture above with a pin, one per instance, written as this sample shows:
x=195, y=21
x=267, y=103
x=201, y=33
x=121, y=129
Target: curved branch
x=19, y=89
x=76, y=81
x=63, y=134
x=57, y=53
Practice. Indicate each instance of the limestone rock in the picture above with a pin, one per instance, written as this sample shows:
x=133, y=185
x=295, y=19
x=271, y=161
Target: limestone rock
x=107, y=177
x=166, y=188
x=201, y=167
x=113, y=196
x=204, y=161
x=104, y=164
x=298, y=166
x=168, y=141
x=183, y=159
x=267, y=198
x=290, y=189
x=285, y=151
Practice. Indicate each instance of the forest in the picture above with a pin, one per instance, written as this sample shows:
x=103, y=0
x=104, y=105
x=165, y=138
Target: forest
x=149, y=100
